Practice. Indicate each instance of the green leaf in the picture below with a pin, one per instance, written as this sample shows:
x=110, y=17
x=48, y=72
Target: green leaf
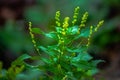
x=82, y=57
x=52, y=35
x=43, y=49
x=72, y=30
x=85, y=57
x=83, y=33
x=47, y=61
x=92, y=72
x=78, y=50
x=58, y=29
x=95, y=62
x=46, y=50
x=81, y=65
x=21, y=59
x=81, y=61
x=65, y=65
x=28, y=66
x=73, y=50
x=54, y=47
x=37, y=31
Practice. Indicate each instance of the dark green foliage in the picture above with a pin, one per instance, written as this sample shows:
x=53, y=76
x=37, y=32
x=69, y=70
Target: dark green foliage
x=67, y=59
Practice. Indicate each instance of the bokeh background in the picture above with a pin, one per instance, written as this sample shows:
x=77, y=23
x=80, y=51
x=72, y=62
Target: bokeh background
x=15, y=39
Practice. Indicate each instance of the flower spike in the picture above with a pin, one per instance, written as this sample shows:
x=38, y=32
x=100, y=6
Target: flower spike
x=57, y=18
x=65, y=23
x=33, y=37
x=84, y=19
x=91, y=32
x=99, y=25
x=75, y=16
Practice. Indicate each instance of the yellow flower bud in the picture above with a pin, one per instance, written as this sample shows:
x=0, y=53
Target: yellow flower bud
x=75, y=16
x=91, y=31
x=99, y=25
x=65, y=23
x=84, y=19
x=57, y=18
x=32, y=37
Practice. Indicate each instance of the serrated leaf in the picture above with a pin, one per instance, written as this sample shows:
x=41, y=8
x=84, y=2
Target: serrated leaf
x=37, y=31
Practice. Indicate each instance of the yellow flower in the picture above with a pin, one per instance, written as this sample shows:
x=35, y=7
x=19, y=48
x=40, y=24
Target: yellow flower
x=84, y=19
x=57, y=18
x=91, y=31
x=99, y=24
x=75, y=16
x=32, y=37
x=65, y=23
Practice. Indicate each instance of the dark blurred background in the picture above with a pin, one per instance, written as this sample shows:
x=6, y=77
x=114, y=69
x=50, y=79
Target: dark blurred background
x=15, y=39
